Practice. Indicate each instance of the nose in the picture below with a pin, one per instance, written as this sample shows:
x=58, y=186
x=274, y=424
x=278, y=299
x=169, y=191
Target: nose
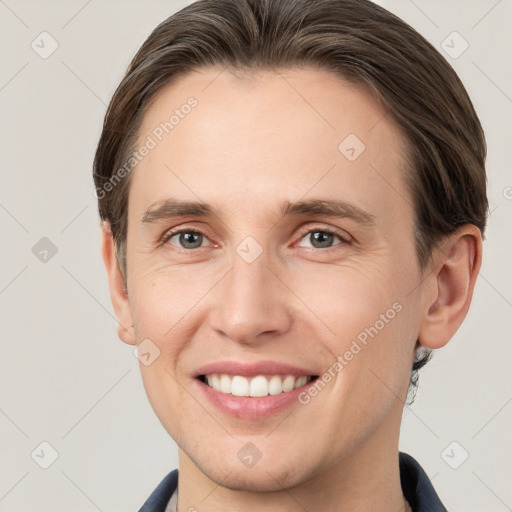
x=252, y=304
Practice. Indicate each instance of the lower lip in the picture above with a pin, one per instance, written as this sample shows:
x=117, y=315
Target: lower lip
x=247, y=407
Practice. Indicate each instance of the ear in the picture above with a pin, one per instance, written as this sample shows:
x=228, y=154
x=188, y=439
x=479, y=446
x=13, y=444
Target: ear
x=449, y=285
x=118, y=293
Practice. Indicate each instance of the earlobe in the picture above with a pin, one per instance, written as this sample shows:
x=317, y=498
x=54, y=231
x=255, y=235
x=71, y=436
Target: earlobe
x=451, y=284
x=118, y=293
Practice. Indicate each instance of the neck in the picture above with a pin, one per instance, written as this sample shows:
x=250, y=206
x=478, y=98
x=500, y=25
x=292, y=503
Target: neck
x=367, y=478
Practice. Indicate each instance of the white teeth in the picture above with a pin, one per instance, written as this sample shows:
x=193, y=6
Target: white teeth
x=275, y=386
x=238, y=385
x=288, y=383
x=225, y=384
x=300, y=381
x=259, y=386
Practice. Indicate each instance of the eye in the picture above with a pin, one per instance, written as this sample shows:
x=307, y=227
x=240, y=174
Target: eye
x=323, y=238
x=192, y=239
x=186, y=238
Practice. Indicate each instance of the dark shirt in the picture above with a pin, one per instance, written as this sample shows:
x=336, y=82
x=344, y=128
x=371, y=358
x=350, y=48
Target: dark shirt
x=416, y=487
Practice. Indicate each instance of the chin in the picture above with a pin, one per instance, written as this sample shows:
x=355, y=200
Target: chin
x=250, y=479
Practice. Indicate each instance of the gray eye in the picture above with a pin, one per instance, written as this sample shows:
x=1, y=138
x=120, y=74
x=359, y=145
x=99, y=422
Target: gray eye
x=188, y=239
x=320, y=239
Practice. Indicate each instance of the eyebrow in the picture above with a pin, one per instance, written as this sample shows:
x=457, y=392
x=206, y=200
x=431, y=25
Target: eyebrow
x=329, y=208
x=172, y=208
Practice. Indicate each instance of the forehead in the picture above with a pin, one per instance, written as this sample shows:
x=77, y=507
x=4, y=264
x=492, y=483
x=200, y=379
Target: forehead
x=242, y=141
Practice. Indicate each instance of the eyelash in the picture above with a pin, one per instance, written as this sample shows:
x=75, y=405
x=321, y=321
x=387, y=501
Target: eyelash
x=345, y=239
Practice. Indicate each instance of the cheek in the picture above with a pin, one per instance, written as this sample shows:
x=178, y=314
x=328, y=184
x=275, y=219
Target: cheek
x=161, y=315
x=371, y=330
x=370, y=340
x=351, y=299
x=160, y=312
x=161, y=300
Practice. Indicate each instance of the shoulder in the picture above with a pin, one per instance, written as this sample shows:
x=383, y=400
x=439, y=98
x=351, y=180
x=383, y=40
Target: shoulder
x=158, y=499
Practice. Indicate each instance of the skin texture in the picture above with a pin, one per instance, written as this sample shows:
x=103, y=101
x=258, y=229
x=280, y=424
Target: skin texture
x=250, y=144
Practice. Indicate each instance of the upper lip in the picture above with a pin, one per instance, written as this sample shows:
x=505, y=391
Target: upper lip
x=252, y=369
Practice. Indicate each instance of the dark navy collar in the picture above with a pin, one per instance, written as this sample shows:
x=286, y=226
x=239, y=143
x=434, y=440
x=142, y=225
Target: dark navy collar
x=157, y=501
x=416, y=486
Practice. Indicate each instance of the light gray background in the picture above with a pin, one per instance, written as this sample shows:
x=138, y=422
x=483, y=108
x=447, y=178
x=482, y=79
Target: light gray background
x=65, y=377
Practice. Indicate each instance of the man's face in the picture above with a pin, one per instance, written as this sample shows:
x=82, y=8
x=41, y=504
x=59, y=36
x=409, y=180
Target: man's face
x=248, y=284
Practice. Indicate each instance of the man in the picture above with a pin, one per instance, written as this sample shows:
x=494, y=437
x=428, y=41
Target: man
x=293, y=202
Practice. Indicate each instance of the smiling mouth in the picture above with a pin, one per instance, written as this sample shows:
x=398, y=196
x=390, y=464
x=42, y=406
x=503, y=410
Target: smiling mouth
x=257, y=386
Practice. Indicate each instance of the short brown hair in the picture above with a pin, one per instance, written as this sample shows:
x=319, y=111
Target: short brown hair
x=354, y=39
